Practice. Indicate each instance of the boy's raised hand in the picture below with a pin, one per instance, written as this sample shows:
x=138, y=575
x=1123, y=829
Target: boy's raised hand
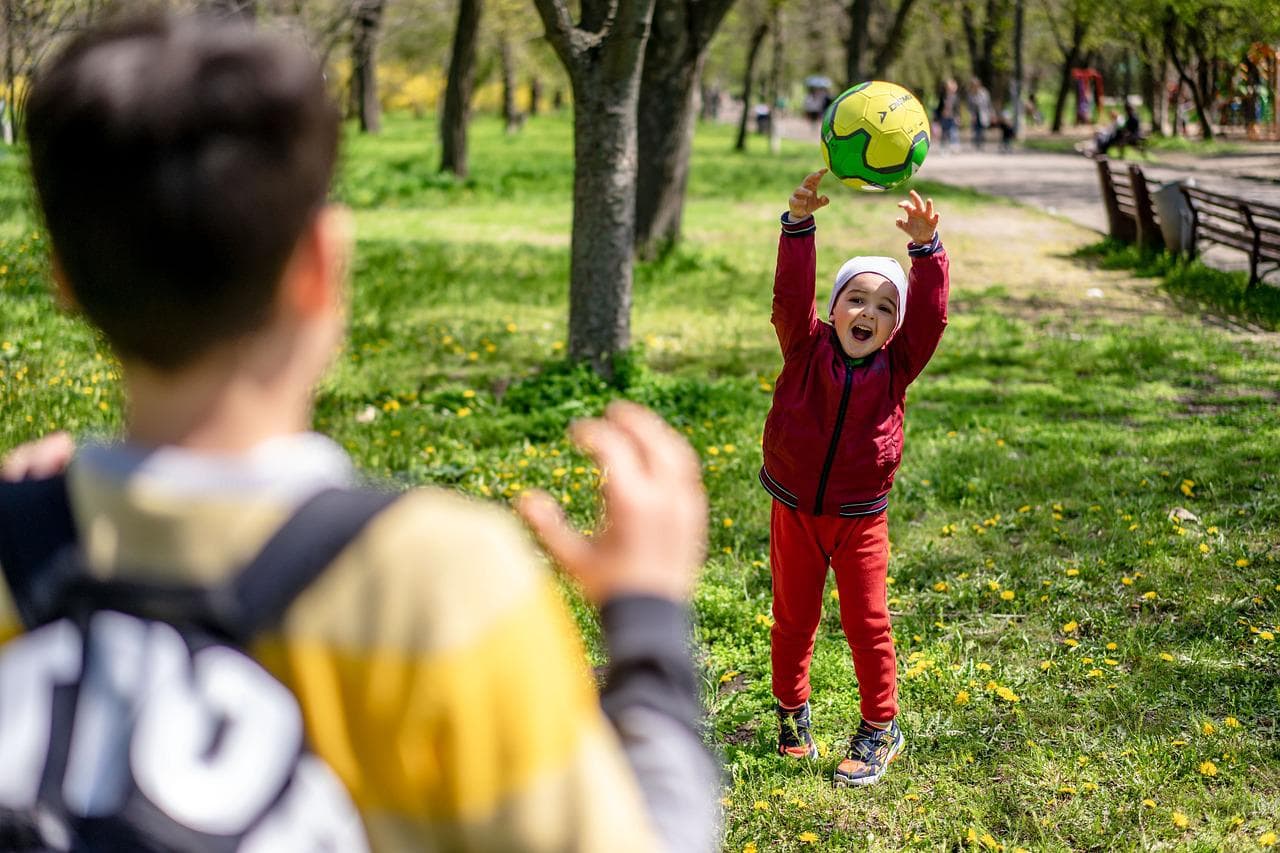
x=805, y=200
x=922, y=220
x=653, y=535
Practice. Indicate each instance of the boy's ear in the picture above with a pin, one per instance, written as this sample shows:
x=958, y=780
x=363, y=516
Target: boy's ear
x=315, y=278
x=62, y=293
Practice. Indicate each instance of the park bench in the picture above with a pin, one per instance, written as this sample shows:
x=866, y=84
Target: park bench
x=1249, y=226
x=1126, y=193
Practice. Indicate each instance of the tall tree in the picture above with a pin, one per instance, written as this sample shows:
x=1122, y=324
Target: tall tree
x=366, y=21
x=679, y=36
x=985, y=39
x=748, y=80
x=458, y=88
x=1070, y=26
x=603, y=55
x=867, y=58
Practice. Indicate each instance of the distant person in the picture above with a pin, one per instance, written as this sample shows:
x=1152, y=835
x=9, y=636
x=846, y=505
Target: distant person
x=182, y=167
x=815, y=103
x=947, y=114
x=979, y=111
x=832, y=444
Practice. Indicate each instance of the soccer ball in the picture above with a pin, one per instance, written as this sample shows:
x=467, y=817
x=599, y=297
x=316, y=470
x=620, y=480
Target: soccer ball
x=875, y=136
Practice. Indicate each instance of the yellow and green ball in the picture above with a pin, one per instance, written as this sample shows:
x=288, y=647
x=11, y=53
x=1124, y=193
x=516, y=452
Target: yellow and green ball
x=875, y=136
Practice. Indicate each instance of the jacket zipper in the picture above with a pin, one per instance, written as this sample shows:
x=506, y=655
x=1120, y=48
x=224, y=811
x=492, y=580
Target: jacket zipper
x=835, y=438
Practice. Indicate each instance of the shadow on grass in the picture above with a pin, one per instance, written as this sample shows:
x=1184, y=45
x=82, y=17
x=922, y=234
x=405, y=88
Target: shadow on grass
x=1194, y=287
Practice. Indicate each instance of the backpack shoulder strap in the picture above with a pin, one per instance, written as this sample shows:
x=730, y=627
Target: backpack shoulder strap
x=293, y=558
x=35, y=525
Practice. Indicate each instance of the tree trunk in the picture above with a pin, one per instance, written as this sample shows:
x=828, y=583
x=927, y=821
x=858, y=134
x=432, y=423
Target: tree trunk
x=457, y=94
x=748, y=82
x=603, y=55
x=894, y=40
x=859, y=37
x=1019, y=68
x=1171, y=45
x=679, y=36
x=1064, y=87
x=364, y=66
x=10, y=74
x=510, y=117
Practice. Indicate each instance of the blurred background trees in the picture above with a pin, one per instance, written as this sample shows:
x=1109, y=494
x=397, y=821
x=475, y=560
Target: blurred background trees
x=642, y=72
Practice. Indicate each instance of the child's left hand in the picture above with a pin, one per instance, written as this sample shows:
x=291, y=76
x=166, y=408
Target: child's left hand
x=921, y=222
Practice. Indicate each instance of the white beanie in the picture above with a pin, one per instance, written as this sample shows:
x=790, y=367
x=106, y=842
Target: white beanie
x=887, y=268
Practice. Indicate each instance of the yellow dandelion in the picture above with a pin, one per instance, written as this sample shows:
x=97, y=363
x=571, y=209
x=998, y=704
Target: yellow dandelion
x=760, y=806
x=1204, y=548
x=1267, y=839
x=1007, y=695
x=1045, y=664
x=962, y=698
x=807, y=838
x=1111, y=647
x=750, y=847
x=1151, y=804
x=463, y=412
x=1070, y=643
x=1208, y=728
x=1071, y=627
x=940, y=586
x=1231, y=723
x=1071, y=573
x=1179, y=820
x=1242, y=562
x=1208, y=768
x=1165, y=656
x=728, y=522
x=1094, y=673
x=984, y=667
x=1007, y=595
x=1149, y=595
x=728, y=676
x=1266, y=635
x=468, y=393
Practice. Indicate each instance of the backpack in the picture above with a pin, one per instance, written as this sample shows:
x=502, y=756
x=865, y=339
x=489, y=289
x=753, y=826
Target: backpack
x=131, y=717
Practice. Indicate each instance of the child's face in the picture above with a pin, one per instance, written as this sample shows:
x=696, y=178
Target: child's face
x=865, y=314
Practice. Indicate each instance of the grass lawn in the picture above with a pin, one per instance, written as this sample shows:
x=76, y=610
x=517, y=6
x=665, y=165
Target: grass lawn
x=1086, y=560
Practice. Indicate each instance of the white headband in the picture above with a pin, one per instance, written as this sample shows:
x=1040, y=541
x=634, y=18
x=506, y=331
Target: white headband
x=887, y=268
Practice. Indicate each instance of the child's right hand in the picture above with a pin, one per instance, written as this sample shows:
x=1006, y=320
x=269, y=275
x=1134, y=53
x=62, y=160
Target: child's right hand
x=805, y=200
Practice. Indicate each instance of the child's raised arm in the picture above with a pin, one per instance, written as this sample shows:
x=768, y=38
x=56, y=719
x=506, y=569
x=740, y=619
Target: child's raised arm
x=805, y=200
x=922, y=220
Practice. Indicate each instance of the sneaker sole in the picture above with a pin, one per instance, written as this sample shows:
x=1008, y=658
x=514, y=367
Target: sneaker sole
x=812, y=753
x=841, y=782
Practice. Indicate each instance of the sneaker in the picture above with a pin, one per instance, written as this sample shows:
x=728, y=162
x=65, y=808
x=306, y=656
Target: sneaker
x=871, y=751
x=794, y=739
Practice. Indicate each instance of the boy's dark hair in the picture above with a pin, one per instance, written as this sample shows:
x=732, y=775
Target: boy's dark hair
x=178, y=161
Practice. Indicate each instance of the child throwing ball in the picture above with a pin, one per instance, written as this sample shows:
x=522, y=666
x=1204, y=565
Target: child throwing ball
x=832, y=444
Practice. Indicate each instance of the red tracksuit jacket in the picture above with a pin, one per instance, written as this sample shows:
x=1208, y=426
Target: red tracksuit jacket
x=833, y=437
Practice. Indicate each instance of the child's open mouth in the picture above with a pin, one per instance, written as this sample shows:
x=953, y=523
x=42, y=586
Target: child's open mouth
x=860, y=334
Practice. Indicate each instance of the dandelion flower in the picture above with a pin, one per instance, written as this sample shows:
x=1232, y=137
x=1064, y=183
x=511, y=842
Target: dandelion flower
x=1149, y=595
x=940, y=586
x=1231, y=723
x=1208, y=768
x=760, y=806
x=728, y=522
x=1267, y=839
x=1208, y=728
x=1179, y=820
x=962, y=698
x=1007, y=595
x=1165, y=656
x=1151, y=804
x=807, y=838
x=1007, y=695
x=1071, y=627
x=750, y=847
x=1111, y=647
x=1266, y=635
x=1242, y=562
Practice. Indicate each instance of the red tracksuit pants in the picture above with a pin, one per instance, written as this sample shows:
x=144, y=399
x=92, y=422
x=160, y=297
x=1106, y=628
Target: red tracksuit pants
x=801, y=548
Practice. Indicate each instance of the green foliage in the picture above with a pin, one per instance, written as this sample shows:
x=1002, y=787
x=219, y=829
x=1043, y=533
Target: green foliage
x=1063, y=643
